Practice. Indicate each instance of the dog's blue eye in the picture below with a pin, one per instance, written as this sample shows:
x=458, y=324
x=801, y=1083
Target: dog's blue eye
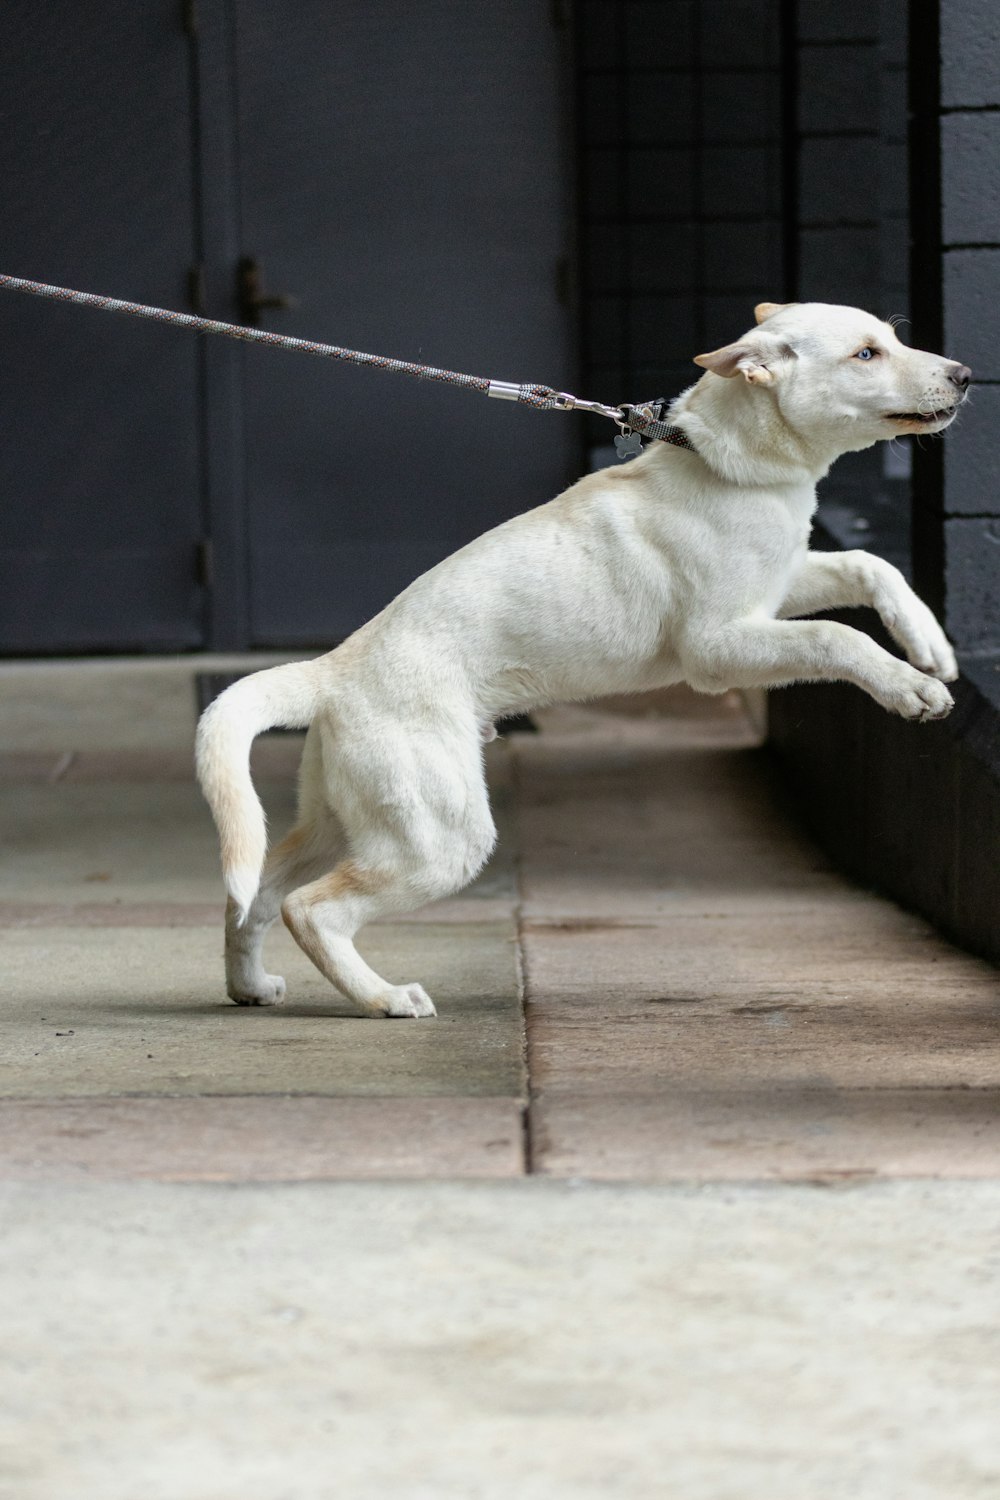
x=865, y=354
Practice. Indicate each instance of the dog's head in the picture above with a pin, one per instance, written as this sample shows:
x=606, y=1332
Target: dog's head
x=840, y=370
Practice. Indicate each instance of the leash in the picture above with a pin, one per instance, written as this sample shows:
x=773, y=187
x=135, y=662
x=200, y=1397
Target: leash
x=642, y=418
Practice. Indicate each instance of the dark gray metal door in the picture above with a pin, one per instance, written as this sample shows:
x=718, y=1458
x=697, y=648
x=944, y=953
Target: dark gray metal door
x=402, y=179
x=400, y=171
x=100, y=497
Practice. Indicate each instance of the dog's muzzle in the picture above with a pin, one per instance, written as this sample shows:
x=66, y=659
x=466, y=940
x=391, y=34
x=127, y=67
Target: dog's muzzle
x=927, y=415
x=959, y=377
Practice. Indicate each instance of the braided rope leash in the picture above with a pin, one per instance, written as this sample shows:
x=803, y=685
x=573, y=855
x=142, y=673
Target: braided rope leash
x=643, y=418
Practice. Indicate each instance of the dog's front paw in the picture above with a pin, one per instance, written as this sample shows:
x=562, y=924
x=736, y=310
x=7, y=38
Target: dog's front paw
x=931, y=653
x=918, y=697
x=925, y=643
x=944, y=667
x=270, y=992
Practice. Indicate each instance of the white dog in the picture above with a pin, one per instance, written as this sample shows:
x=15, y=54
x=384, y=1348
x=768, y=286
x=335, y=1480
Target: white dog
x=678, y=566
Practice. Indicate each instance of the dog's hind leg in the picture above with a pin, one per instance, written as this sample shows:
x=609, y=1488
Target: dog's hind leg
x=323, y=917
x=313, y=846
x=308, y=849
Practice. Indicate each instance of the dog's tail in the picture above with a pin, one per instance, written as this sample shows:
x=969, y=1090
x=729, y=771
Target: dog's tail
x=281, y=695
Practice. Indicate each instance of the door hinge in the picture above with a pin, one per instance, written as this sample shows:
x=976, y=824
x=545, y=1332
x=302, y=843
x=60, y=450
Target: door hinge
x=196, y=289
x=204, y=563
x=189, y=17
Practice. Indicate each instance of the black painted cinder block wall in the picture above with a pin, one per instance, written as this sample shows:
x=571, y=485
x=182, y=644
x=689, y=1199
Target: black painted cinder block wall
x=825, y=149
x=956, y=109
x=915, y=809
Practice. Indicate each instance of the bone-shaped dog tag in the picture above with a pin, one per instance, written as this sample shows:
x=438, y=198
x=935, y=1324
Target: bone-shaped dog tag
x=627, y=445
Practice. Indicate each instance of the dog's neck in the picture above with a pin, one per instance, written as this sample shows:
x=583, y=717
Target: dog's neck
x=741, y=435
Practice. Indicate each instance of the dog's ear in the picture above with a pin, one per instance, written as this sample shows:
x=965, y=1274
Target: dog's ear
x=737, y=359
x=768, y=309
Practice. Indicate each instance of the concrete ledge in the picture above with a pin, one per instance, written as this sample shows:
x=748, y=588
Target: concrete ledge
x=488, y=1340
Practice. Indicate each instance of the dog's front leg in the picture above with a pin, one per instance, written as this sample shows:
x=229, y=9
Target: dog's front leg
x=841, y=580
x=774, y=653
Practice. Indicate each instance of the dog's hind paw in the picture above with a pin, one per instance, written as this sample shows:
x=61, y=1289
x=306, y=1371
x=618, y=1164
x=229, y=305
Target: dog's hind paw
x=271, y=992
x=408, y=1000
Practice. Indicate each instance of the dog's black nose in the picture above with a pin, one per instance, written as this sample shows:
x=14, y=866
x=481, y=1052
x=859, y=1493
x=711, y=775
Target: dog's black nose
x=960, y=375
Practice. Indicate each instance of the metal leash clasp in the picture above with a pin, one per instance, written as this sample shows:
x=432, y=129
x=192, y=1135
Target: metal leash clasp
x=628, y=444
x=566, y=402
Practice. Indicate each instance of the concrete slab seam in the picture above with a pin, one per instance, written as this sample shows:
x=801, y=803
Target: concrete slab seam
x=527, y=1142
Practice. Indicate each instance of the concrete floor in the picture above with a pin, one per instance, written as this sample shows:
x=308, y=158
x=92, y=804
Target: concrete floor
x=693, y=1188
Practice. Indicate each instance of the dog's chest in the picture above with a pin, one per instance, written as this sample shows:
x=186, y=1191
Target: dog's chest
x=789, y=544
x=759, y=549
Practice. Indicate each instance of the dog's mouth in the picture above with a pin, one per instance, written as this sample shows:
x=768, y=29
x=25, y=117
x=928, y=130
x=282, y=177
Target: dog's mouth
x=922, y=418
